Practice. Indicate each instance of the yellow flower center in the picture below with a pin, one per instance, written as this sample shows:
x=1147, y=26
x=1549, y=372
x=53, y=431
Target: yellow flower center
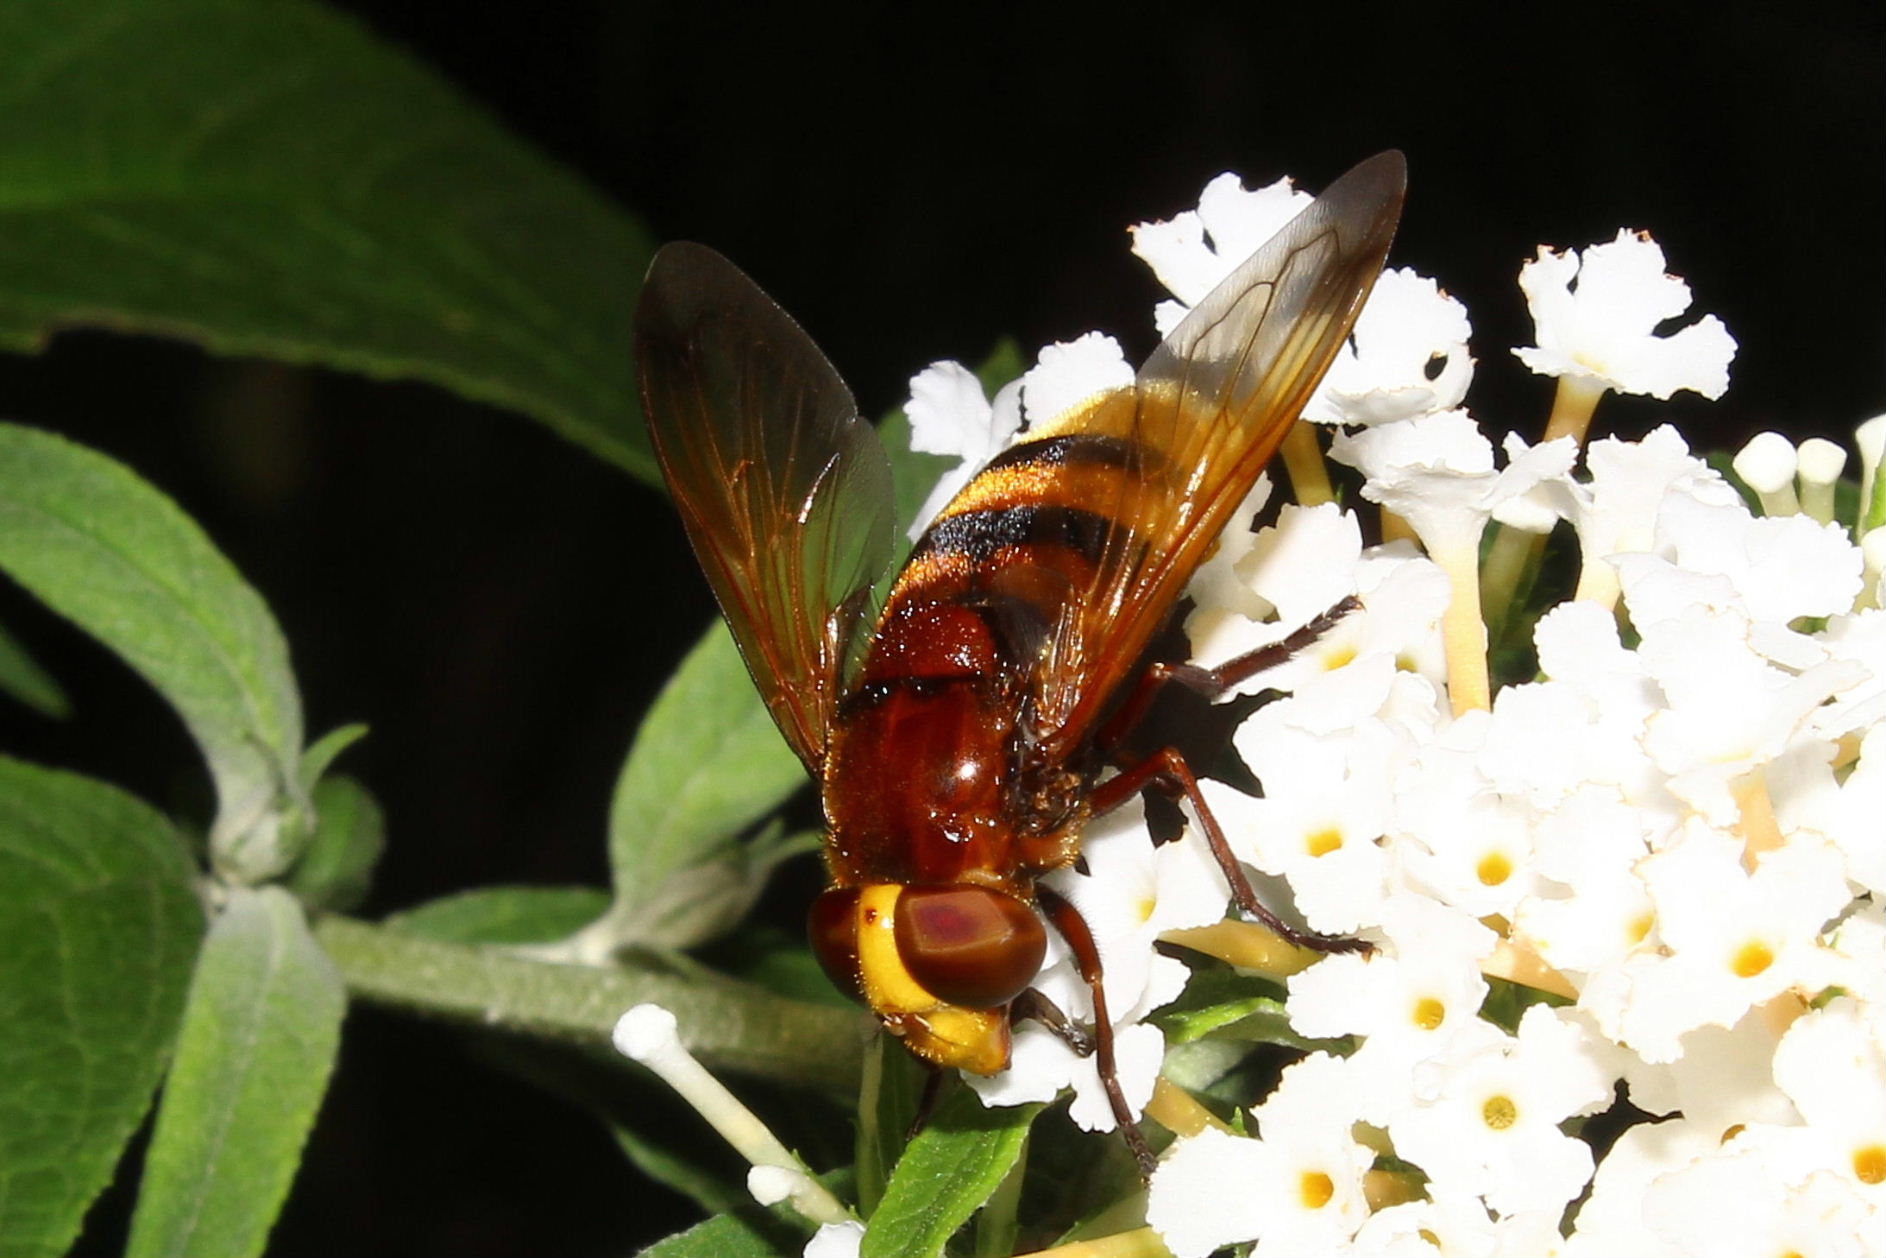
x=1322, y=842
x=1751, y=959
x=1639, y=929
x=1338, y=657
x=1869, y=1164
x=1316, y=1189
x=1499, y=1112
x=1429, y=1013
x=1494, y=868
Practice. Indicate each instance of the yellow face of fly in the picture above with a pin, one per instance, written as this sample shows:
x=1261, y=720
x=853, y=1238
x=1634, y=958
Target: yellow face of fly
x=976, y=1040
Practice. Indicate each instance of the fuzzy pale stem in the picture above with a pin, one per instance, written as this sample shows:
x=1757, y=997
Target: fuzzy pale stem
x=1178, y=1111
x=1141, y=1242
x=1246, y=945
x=1757, y=825
x=1597, y=583
x=647, y=1033
x=1572, y=405
x=1463, y=632
x=1303, y=459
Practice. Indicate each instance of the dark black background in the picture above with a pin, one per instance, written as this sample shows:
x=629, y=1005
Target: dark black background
x=912, y=182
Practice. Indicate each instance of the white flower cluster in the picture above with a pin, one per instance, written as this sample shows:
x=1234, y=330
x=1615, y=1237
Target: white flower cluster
x=1677, y=829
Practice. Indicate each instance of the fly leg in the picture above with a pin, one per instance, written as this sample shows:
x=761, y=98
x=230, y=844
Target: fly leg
x=1242, y=667
x=1080, y=941
x=1166, y=770
x=1212, y=682
x=926, y=1103
x=1032, y=1006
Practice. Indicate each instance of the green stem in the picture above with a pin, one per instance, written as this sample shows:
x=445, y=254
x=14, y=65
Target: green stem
x=1504, y=584
x=730, y=1025
x=1873, y=513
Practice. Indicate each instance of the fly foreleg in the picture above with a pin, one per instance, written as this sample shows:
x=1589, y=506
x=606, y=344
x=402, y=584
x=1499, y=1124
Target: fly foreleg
x=1033, y=1006
x=1080, y=941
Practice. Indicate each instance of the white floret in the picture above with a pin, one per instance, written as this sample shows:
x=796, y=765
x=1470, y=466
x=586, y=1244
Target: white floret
x=1595, y=316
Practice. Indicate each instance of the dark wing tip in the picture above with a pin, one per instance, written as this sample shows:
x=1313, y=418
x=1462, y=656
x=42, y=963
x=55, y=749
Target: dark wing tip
x=690, y=285
x=683, y=280
x=685, y=260
x=1370, y=194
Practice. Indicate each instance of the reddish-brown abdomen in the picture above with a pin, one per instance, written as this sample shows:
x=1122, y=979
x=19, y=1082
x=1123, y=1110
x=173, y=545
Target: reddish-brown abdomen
x=918, y=780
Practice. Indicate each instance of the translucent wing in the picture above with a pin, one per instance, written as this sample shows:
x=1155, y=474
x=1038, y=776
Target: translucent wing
x=1207, y=412
x=785, y=491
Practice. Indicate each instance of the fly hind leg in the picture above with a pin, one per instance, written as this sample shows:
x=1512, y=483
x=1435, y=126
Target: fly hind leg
x=1166, y=770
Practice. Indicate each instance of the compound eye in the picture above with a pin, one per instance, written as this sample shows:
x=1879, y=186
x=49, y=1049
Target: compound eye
x=969, y=946
x=833, y=929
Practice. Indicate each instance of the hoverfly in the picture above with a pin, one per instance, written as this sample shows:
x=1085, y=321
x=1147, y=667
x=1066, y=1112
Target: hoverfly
x=961, y=733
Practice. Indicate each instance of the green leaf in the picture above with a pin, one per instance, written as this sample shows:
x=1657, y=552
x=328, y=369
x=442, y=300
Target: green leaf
x=23, y=678
x=1259, y=1020
x=258, y=1043
x=1081, y=1185
x=1203, y=1066
x=264, y=177
x=1506, y=1002
x=746, y=1233
x=504, y=915
x=323, y=751
x=707, y=763
x=1223, y=1004
x=336, y=871
x=749, y=1232
x=1004, y=363
x=106, y=550
x=769, y=957
x=999, y=1223
x=888, y=1100
x=98, y=922
x=949, y=1170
